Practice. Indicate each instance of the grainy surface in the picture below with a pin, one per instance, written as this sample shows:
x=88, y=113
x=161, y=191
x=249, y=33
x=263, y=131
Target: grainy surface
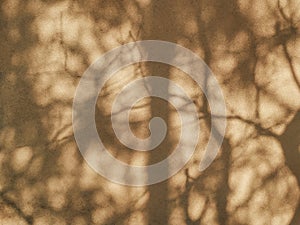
x=253, y=48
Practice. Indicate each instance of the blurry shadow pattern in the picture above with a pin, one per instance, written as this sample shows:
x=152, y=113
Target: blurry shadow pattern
x=44, y=179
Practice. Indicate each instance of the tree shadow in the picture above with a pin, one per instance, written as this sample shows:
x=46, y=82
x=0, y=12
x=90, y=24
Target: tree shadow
x=252, y=49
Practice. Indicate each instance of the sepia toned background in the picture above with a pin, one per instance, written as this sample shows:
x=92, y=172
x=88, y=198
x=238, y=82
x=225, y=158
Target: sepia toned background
x=252, y=47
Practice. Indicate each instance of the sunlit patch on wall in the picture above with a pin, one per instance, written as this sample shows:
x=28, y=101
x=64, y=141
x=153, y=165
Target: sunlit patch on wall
x=21, y=158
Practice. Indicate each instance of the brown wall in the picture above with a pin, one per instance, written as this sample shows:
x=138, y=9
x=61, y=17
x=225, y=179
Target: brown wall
x=253, y=48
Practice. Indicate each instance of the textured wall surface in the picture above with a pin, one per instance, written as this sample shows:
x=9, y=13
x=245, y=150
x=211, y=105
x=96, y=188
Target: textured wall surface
x=253, y=48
